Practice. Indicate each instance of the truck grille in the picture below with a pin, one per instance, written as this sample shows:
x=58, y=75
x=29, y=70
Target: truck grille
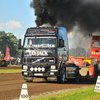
x=38, y=60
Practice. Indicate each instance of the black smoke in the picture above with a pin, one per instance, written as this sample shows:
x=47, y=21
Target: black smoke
x=85, y=14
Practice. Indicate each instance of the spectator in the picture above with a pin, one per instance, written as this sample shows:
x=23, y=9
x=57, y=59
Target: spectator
x=18, y=61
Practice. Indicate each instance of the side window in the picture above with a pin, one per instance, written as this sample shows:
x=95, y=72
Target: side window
x=26, y=42
x=61, y=43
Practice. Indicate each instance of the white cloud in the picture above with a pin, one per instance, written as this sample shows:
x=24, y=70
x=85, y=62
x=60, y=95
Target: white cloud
x=12, y=25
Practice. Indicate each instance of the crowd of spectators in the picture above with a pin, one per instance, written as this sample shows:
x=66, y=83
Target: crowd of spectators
x=15, y=61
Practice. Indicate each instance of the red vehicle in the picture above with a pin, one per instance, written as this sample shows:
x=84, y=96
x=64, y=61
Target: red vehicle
x=95, y=51
x=90, y=65
x=95, y=47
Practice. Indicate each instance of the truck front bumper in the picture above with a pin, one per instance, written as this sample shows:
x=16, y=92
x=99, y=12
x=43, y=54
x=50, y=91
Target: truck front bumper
x=39, y=74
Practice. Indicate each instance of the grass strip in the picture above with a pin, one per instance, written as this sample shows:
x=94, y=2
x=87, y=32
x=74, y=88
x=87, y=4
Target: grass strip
x=83, y=94
x=10, y=70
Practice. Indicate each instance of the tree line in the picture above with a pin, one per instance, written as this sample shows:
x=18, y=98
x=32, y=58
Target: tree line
x=10, y=40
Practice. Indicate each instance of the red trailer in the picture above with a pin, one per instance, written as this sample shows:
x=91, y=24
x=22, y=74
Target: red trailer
x=90, y=65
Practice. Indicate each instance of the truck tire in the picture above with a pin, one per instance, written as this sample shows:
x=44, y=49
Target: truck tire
x=61, y=78
x=95, y=78
x=28, y=79
x=95, y=74
x=77, y=79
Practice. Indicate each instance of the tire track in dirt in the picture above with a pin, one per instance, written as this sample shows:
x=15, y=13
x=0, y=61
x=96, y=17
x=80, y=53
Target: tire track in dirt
x=11, y=84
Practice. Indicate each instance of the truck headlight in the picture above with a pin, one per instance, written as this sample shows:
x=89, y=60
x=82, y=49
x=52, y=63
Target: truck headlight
x=25, y=67
x=43, y=69
x=53, y=67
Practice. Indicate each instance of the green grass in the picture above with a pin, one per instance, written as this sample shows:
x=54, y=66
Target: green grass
x=10, y=70
x=83, y=94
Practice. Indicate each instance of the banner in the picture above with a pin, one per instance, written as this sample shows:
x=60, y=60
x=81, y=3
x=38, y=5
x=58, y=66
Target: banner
x=7, y=54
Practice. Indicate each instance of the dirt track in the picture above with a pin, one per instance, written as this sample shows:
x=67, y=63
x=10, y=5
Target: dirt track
x=11, y=84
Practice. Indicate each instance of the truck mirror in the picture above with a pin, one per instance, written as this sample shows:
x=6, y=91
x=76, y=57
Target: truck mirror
x=61, y=43
x=19, y=44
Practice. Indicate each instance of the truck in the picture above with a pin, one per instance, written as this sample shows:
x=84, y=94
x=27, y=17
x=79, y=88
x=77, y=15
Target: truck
x=90, y=66
x=45, y=54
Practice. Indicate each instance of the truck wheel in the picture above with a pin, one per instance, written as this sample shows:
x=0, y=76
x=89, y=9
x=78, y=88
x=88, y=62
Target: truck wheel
x=61, y=78
x=95, y=78
x=28, y=79
x=77, y=79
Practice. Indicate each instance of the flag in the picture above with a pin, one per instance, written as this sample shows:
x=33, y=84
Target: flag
x=7, y=54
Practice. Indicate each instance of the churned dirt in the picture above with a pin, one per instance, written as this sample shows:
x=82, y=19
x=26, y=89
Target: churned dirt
x=11, y=67
x=11, y=84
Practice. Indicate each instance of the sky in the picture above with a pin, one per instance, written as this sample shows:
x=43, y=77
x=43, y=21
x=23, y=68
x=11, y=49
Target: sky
x=16, y=16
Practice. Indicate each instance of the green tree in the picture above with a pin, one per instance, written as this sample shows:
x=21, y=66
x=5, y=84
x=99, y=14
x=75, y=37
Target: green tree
x=10, y=40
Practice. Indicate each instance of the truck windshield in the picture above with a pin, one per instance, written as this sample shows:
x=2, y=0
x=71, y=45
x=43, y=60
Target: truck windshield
x=40, y=42
x=96, y=45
